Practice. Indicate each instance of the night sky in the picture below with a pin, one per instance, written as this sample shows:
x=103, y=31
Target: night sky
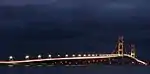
x=72, y=26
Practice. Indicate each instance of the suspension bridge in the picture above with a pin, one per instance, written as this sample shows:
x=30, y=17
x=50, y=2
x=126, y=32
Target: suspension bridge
x=118, y=56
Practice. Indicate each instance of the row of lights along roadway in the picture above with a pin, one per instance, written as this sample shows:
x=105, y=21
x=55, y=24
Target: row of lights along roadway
x=49, y=56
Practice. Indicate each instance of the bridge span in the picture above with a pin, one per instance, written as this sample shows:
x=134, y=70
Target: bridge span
x=117, y=56
x=100, y=56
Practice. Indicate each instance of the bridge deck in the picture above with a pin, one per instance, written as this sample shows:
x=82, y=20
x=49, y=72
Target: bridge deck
x=71, y=58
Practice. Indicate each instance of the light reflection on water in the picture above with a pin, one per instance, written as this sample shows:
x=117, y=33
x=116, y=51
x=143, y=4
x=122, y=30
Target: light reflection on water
x=76, y=70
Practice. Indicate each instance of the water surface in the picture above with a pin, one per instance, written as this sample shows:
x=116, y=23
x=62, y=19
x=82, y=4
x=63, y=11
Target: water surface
x=77, y=70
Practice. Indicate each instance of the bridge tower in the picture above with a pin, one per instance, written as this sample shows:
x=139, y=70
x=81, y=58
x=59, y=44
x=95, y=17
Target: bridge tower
x=120, y=46
x=133, y=53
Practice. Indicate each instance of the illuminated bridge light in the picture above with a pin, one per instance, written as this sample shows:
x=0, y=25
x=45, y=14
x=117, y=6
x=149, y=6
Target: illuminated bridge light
x=76, y=63
x=89, y=55
x=65, y=61
x=84, y=55
x=73, y=55
x=109, y=62
x=66, y=55
x=58, y=55
x=49, y=56
x=93, y=55
x=79, y=55
x=93, y=60
x=39, y=56
x=26, y=57
x=132, y=62
x=69, y=62
x=61, y=62
x=11, y=58
x=96, y=60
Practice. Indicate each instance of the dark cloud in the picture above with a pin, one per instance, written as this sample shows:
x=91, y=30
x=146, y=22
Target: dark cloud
x=72, y=26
